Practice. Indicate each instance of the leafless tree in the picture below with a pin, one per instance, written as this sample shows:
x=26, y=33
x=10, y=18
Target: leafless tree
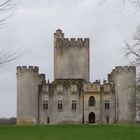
x=8, y=55
x=125, y=3
x=7, y=8
x=132, y=52
x=133, y=48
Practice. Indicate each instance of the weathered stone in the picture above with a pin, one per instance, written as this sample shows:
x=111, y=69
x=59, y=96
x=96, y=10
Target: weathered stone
x=71, y=98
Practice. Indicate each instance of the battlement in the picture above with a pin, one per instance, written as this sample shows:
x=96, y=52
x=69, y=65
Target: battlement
x=72, y=42
x=108, y=87
x=75, y=39
x=29, y=68
x=92, y=87
x=120, y=69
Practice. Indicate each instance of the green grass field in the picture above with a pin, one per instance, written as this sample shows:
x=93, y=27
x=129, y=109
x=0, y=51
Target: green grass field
x=70, y=132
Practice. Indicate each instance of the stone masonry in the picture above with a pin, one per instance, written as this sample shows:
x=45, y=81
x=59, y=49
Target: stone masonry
x=71, y=97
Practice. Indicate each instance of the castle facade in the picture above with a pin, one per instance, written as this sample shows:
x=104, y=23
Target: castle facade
x=71, y=97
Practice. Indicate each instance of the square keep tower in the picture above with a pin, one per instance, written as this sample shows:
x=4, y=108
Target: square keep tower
x=71, y=57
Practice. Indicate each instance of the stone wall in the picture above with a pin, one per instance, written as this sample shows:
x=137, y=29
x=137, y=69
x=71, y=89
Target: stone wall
x=71, y=57
x=71, y=83
x=108, y=94
x=125, y=88
x=28, y=79
x=62, y=91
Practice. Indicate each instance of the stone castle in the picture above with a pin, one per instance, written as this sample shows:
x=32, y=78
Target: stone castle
x=71, y=97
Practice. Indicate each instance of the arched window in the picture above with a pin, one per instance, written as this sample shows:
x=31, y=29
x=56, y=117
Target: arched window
x=91, y=101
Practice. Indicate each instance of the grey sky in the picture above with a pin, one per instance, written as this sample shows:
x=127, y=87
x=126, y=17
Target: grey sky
x=32, y=27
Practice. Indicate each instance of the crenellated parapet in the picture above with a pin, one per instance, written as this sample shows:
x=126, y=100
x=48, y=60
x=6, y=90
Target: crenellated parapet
x=120, y=70
x=108, y=87
x=92, y=87
x=67, y=82
x=72, y=42
x=60, y=41
x=22, y=69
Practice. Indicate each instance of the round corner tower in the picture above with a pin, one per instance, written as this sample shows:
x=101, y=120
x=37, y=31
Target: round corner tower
x=27, y=95
x=125, y=87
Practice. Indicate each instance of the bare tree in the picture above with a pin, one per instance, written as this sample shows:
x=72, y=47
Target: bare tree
x=133, y=48
x=7, y=8
x=8, y=55
x=125, y=3
x=132, y=51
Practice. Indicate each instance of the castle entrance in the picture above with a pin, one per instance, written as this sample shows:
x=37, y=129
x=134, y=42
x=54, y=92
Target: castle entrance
x=91, y=117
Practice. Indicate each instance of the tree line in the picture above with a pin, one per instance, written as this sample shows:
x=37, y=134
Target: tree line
x=8, y=121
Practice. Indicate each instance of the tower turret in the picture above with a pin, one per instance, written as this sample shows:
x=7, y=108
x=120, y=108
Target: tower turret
x=125, y=88
x=28, y=80
x=58, y=35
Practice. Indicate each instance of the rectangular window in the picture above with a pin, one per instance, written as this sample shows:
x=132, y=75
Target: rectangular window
x=73, y=104
x=59, y=104
x=45, y=104
x=107, y=105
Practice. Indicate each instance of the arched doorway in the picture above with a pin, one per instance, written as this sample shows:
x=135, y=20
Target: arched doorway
x=91, y=117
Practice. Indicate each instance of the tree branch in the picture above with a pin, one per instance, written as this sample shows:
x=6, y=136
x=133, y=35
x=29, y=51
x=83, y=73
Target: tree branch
x=6, y=10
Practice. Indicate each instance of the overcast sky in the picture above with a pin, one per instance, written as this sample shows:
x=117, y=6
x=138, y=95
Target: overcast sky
x=32, y=26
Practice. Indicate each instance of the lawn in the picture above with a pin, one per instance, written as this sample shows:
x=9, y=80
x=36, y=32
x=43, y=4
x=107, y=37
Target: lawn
x=70, y=132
